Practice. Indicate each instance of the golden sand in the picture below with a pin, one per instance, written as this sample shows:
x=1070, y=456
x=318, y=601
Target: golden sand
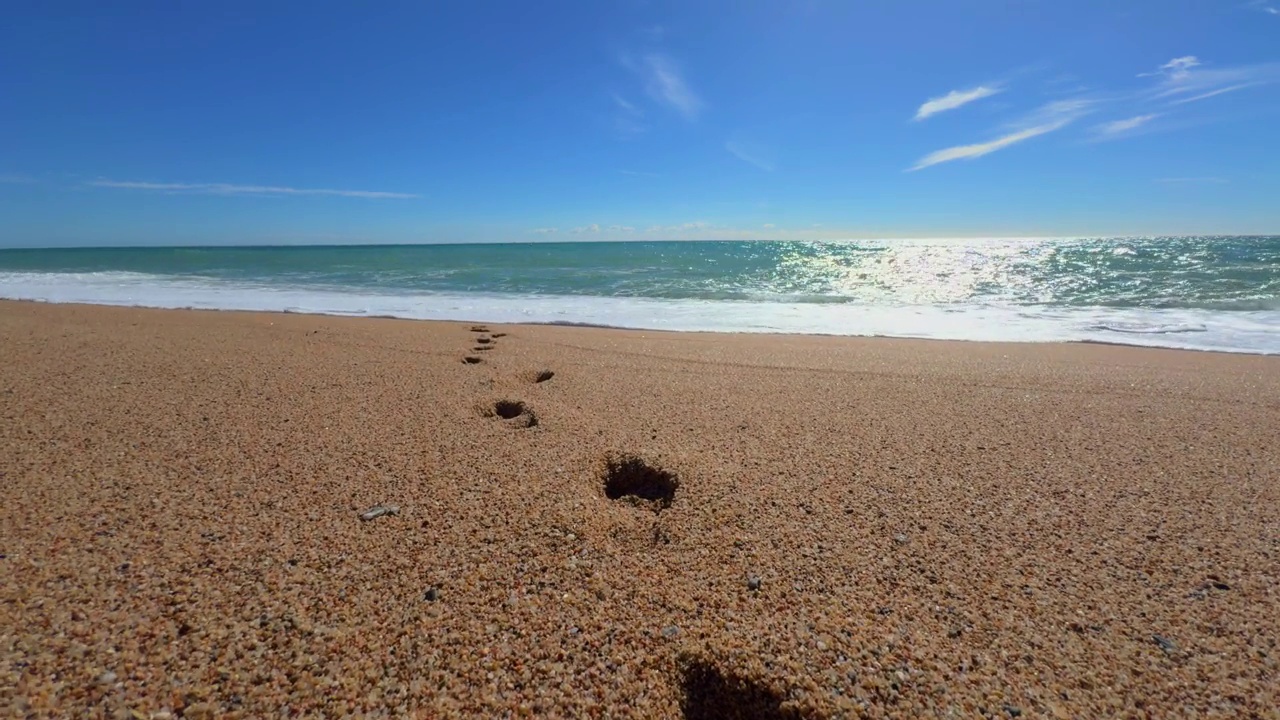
x=829, y=526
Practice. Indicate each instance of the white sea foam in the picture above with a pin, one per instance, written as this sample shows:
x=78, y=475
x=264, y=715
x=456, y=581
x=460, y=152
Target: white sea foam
x=1254, y=331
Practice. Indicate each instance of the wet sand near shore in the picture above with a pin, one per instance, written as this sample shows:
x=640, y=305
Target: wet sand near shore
x=585, y=522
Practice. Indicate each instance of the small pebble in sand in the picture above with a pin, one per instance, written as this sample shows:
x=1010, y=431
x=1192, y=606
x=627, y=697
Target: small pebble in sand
x=378, y=511
x=900, y=539
x=670, y=631
x=107, y=678
x=1165, y=643
x=753, y=582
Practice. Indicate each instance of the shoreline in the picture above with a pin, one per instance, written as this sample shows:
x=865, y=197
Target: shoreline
x=602, y=326
x=830, y=526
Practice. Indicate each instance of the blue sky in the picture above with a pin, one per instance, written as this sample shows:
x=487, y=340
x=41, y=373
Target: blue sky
x=251, y=122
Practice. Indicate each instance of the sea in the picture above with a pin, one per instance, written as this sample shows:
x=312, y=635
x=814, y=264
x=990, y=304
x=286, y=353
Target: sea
x=1201, y=292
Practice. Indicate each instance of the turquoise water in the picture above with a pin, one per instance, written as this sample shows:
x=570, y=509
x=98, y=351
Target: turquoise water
x=1207, y=292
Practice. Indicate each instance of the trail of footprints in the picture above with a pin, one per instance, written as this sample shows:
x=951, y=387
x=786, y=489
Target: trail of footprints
x=514, y=412
x=707, y=691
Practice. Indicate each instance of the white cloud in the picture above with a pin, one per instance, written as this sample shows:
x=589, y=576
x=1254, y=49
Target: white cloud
x=1263, y=6
x=1186, y=79
x=1178, y=68
x=627, y=119
x=639, y=173
x=592, y=228
x=768, y=226
x=1044, y=120
x=624, y=104
x=1212, y=93
x=16, y=179
x=1117, y=127
x=621, y=228
x=681, y=228
x=229, y=189
x=545, y=231
x=748, y=155
x=955, y=99
x=665, y=84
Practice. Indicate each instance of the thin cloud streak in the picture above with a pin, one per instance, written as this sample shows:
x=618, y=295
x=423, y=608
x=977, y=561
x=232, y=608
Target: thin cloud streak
x=748, y=156
x=16, y=179
x=1044, y=120
x=1187, y=76
x=1213, y=93
x=1117, y=127
x=665, y=84
x=955, y=99
x=229, y=189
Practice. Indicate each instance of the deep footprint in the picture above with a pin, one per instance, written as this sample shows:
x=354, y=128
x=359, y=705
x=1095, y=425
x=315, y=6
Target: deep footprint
x=709, y=693
x=479, y=328
x=543, y=375
x=520, y=414
x=627, y=476
x=472, y=360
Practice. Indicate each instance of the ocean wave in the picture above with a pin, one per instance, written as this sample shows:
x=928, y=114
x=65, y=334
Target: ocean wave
x=1256, y=331
x=1140, y=329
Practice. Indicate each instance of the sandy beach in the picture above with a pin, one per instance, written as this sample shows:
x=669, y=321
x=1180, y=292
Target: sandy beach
x=836, y=527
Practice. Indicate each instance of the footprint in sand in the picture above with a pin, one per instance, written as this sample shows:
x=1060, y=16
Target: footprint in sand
x=710, y=692
x=627, y=477
x=513, y=412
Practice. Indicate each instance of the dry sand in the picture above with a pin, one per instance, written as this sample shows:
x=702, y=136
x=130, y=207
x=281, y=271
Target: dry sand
x=862, y=526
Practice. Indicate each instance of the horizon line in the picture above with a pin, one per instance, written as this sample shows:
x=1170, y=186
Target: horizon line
x=559, y=241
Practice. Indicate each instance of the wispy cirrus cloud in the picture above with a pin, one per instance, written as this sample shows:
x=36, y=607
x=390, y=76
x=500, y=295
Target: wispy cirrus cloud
x=1123, y=127
x=231, y=189
x=628, y=119
x=955, y=99
x=1212, y=93
x=664, y=82
x=592, y=228
x=1186, y=79
x=749, y=154
x=545, y=231
x=1044, y=120
x=1263, y=6
x=16, y=179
